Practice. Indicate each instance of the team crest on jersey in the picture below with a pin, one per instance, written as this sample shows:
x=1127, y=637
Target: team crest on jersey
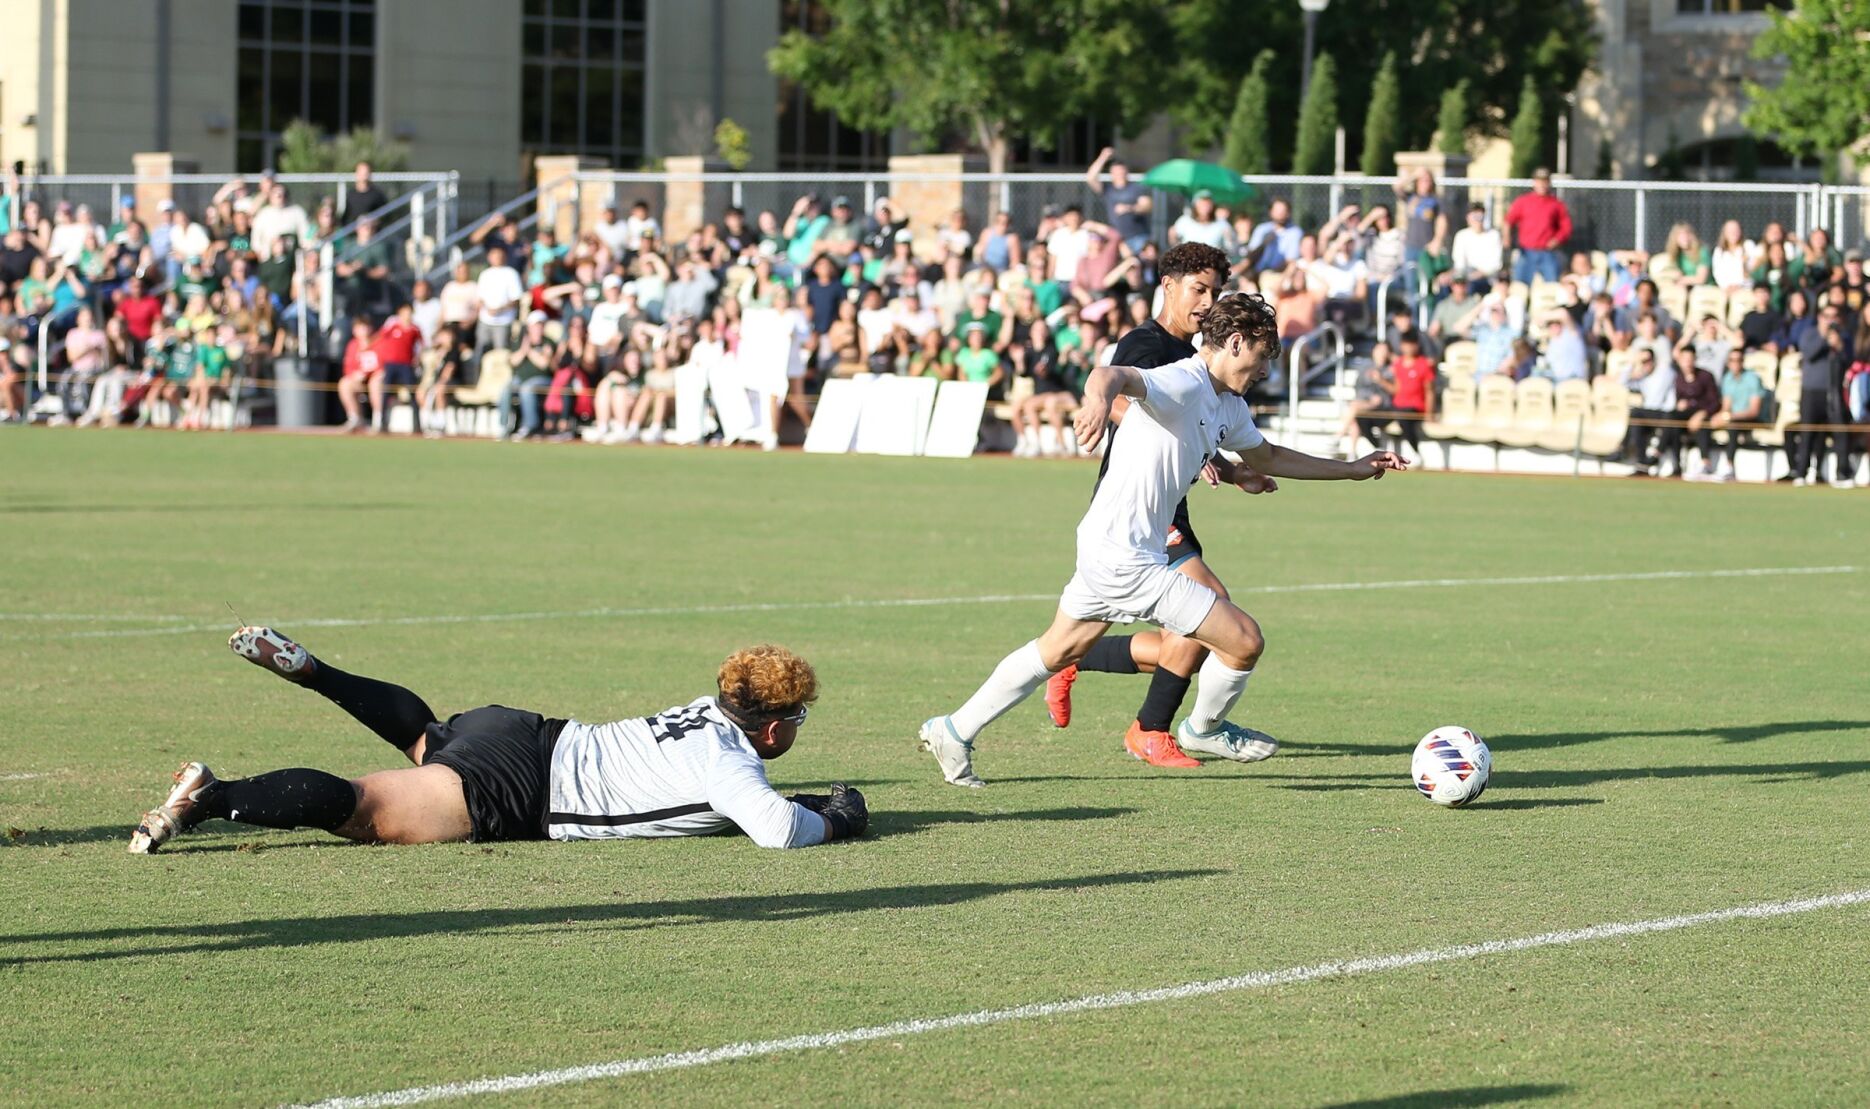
x=1175, y=536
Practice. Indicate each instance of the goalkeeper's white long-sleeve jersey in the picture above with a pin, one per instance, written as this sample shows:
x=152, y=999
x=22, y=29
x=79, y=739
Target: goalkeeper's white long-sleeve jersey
x=687, y=771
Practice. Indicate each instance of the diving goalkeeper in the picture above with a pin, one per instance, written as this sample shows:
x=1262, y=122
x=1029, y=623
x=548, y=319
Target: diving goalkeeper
x=497, y=773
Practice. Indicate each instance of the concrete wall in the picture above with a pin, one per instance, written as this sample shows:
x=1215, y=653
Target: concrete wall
x=448, y=78
x=22, y=93
x=681, y=81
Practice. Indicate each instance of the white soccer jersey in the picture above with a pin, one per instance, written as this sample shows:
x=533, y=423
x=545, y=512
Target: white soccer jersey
x=687, y=771
x=1167, y=435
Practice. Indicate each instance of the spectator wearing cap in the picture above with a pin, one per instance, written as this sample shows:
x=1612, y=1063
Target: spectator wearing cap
x=1457, y=313
x=1852, y=281
x=1539, y=224
x=1276, y=241
x=977, y=361
x=1493, y=336
x=843, y=233
x=640, y=226
x=531, y=381
x=126, y=219
x=1127, y=202
x=611, y=317
x=1201, y=223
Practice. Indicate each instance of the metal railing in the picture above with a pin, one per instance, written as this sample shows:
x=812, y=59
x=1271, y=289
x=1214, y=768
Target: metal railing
x=449, y=250
x=1298, y=375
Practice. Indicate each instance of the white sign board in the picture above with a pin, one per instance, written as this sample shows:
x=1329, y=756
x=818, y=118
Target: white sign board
x=834, y=422
x=954, y=429
x=896, y=414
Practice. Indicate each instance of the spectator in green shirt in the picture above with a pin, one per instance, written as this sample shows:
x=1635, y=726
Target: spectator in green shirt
x=362, y=268
x=977, y=312
x=978, y=362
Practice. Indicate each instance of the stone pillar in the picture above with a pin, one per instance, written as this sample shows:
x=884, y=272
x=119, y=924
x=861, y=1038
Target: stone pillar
x=571, y=204
x=155, y=172
x=927, y=204
x=684, y=197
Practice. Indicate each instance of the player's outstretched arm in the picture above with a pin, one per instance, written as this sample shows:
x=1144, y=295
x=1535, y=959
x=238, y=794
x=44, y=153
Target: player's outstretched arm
x=1101, y=390
x=1277, y=461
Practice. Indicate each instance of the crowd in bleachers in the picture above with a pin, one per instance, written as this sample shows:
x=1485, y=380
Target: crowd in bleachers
x=1497, y=332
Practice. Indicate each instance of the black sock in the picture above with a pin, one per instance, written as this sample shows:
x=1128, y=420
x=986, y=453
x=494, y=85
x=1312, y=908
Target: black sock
x=1109, y=655
x=281, y=799
x=394, y=713
x=1166, y=690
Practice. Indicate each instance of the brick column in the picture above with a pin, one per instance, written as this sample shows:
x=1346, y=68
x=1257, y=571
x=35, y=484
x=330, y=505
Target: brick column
x=577, y=205
x=155, y=171
x=927, y=204
x=685, y=200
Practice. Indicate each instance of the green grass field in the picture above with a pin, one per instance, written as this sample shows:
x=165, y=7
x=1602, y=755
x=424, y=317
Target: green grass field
x=1662, y=747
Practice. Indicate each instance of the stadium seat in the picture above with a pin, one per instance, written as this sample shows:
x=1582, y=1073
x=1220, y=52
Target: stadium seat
x=1610, y=421
x=1532, y=413
x=496, y=369
x=1738, y=306
x=1543, y=302
x=1519, y=293
x=1766, y=364
x=1019, y=389
x=1674, y=301
x=1663, y=270
x=1457, y=361
x=1571, y=414
x=1455, y=410
x=1786, y=400
x=1493, y=410
x=1600, y=265
x=1705, y=300
x=1617, y=363
x=1789, y=363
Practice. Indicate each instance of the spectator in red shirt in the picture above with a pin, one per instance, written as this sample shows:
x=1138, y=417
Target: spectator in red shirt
x=139, y=310
x=1540, y=224
x=362, y=370
x=396, y=345
x=1414, y=396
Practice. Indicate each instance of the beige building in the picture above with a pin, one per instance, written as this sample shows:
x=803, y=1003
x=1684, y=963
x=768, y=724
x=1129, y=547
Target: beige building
x=1669, y=74
x=477, y=86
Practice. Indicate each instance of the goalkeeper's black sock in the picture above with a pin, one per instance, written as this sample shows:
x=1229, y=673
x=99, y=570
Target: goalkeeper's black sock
x=1109, y=655
x=281, y=799
x=397, y=715
x=1166, y=690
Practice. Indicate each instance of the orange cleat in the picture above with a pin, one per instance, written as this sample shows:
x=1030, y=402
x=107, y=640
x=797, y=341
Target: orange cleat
x=1156, y=748
x=1058, y=696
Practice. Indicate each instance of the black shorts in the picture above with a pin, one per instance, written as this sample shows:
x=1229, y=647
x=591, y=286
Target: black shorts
x=398, y=374
x=504, y=758
x=1182, y=542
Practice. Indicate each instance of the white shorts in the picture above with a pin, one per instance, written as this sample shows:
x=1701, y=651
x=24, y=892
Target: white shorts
x=1126, y=594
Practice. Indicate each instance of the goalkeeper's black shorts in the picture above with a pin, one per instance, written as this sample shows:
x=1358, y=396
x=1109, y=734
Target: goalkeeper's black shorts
x=504, y=758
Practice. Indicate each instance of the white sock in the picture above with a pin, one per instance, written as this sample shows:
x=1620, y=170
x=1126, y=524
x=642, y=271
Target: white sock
x=1010, y=683
x=1219, y=691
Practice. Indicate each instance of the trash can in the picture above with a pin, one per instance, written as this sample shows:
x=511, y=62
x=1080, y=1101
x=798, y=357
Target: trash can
x=301, y=391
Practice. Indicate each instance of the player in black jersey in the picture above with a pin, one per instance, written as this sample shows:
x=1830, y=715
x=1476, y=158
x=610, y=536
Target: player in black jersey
x=1193, y=275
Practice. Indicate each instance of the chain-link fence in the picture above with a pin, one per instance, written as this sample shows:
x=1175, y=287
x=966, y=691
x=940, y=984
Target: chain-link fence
x=195, y=192
x=1607, y=215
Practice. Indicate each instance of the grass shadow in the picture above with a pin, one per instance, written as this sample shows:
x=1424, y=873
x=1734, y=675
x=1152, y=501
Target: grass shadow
x=902, y=823
x=1466, y=1096
x=1731, y=733
x=1768, y=773
x=163, y=940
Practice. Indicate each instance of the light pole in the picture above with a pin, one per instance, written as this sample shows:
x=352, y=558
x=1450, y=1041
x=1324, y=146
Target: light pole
x=1311, y=9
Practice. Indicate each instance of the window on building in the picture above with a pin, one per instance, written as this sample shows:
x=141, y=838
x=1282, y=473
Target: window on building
x=581, y=79
x=1727, y=7
x=810, y=138
x=302, y=59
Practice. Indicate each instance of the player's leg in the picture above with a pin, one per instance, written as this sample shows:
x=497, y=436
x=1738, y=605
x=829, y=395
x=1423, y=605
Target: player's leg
x=424, y=804
x=398, y=716
x=1236, y=644
x=951, y=738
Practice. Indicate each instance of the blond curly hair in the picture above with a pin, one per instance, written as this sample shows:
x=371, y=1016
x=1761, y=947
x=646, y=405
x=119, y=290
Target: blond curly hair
x=766, y=682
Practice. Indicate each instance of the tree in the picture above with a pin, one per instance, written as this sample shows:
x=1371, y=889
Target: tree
x=1249, y=143
x=1316, y=149
x=732, y=144
x=1820, y=107
x=1382, y=122
x=988, y=71
x=1451, y=122
x=303, y=148
x=1438, y=43
x=1528, y=134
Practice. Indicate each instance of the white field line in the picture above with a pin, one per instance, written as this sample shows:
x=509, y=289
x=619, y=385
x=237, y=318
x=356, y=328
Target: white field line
x=90, y=617
x=1259, y=980
x=21, y=777
x=932, y=602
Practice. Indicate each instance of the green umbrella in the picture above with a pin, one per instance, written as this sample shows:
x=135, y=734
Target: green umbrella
x=1188, y=177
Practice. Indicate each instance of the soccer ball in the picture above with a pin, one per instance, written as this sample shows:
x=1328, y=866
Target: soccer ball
x=1451, y=766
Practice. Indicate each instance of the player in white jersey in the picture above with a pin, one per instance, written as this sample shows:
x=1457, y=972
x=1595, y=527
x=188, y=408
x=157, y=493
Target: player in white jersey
x=1181, y=415
x=497, y=773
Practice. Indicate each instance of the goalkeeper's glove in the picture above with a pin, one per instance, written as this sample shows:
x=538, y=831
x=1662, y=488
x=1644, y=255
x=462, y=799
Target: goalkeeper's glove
x=843, y=809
